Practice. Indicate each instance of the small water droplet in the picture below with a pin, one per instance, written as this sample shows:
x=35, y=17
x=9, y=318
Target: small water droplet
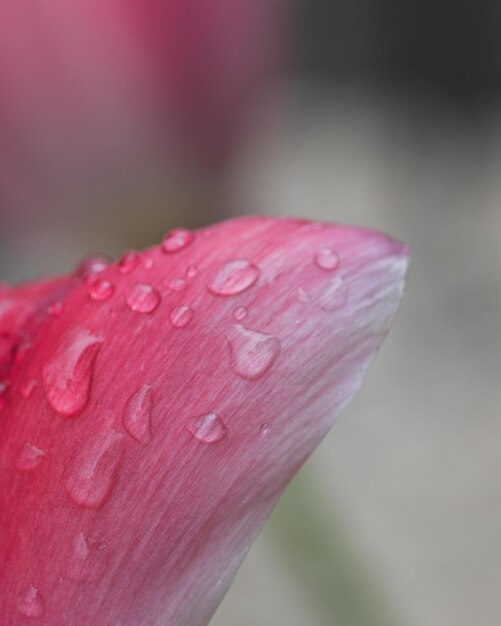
x=252, y=353
x=208, y=428
x=28, y=387
x=302, y=295
x=91, y=265
x=149, y=263
x=326, y=259
x=234, y=277
x=265, y=428
x=334, y=295
x=67, y=377
x=240, y=313
x=101, y=290
x=176, y=240
x=191, y=271
x=30, y=603
x=175, y=284
x=128, y=262
x=92, y=472
x=181, y=316
x=55, y=309
x=143, y=298
x=89, y=560
x=137, y=414
x=30, y=458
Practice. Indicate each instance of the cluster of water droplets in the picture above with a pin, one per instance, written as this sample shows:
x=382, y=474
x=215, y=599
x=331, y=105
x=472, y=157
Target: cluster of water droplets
x=92, y=472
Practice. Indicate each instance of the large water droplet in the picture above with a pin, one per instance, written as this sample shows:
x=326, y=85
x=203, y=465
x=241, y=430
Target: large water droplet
x=30, y=458
x=67, y=377
x=234, y=277
x=92, y=472
x=326, y=259
x=128, y=262
x=101, y=290
x=252, y=353
x=176, y=240
x=137, y=414
x=28, y=387
x=143, y=298
x=89, y=560
x=334, y=295
x=208, y=428
x=30, y=603
x=181, y=316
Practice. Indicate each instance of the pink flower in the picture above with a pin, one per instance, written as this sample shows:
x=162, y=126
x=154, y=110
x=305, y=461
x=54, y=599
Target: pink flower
x=154, y=410
x=90, y=90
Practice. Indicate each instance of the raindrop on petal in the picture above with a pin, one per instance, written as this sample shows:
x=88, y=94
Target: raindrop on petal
x=149, y=263
x=143, y=298
x=128, y=262
x=89, y=560
x=208, y=428
x=91, y=265
x=240, y=313
x=234, y=277
x=92, y=472
x=175, y=284
x=252, y=353
x=67, y=376
x=137, y=414
x=28, y=387
x=30, y=458
x=101, y=290
x=30, y=603
x=181, y=316
x=176, y=240
x=326, y=259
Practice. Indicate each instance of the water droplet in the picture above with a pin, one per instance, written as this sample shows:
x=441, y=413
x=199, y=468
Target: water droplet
x=67, y=377
x=176, y=240
x=89, y=560
x=265, y=428
x=91, y=265
x=191, y=271
x=128, y=262
x=143, y=298
x=101, y=290
x=175, y=284
x=181, y=316
x=149, y=263
x=30, y=603
x=55, y=309
x=252, y=353
x=326, y=259
x=208, y=428
x=240, y=313
x=30, y=458
x=28, y=387
x=92, y=472
x=234, y=277
x=335, y=295
x=137, y=414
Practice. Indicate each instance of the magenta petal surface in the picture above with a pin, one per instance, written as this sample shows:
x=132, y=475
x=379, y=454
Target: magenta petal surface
x=148, y=453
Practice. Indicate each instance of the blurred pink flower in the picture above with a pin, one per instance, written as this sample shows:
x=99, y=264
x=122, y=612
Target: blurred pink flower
x=155, y=409
x=91, y=89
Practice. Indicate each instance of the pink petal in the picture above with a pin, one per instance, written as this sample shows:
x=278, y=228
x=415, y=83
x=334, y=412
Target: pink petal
x=141, y=507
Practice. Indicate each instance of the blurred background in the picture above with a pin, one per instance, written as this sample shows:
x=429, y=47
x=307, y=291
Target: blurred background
x=120, y=119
